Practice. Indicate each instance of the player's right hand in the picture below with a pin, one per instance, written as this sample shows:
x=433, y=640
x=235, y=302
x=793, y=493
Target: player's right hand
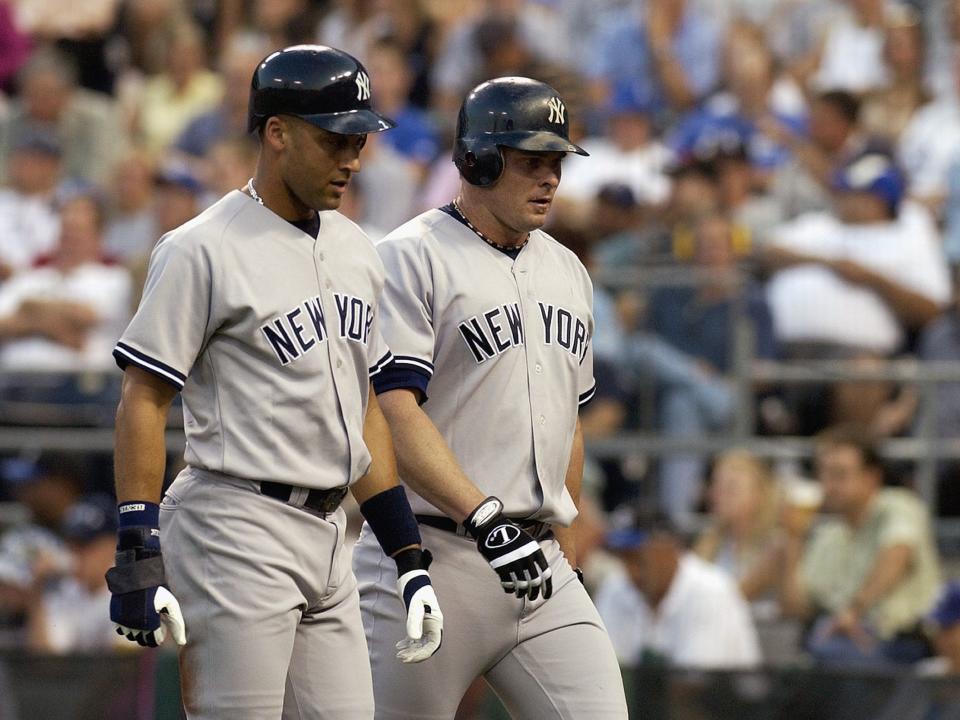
x=424, y=619
x=511, y=552
x=141, y=608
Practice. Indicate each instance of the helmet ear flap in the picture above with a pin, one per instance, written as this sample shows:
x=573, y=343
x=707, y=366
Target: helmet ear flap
x=479, y=164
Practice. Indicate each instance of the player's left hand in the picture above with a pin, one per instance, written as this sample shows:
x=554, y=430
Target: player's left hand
x=424, y=618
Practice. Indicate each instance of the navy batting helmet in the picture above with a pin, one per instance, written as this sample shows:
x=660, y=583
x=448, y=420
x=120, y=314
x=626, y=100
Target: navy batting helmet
x=514, y=112
x=322, y=85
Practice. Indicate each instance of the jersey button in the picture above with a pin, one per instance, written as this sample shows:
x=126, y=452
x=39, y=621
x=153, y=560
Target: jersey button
x=328, y=284
x=339, y=363
x=543, y=420
x=539, y=368
x=322, y=258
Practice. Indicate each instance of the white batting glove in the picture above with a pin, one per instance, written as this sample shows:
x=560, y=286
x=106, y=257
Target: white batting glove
x=424, y=618
x=171, y=617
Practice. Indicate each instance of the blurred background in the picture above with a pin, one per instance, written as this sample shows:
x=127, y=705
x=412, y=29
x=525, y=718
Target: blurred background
x=771, y=216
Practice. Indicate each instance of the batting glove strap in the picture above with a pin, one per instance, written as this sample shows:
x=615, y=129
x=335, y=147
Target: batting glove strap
x=137, y=575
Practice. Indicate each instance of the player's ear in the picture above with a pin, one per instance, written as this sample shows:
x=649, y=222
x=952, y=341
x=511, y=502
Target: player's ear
x=276, y=132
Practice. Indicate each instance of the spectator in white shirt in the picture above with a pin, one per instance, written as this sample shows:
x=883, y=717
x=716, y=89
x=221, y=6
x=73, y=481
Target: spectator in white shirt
x=861, y=277
x=28, y=219
x=852, y=284
x=668, y=605
x=65, y=314
x=72, y=614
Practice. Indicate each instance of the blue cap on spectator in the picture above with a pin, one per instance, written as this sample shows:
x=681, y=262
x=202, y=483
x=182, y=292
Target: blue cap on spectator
x=617, y=194
x=177, y=175
x=91, y=517
x=37, y=139
x=874, y=173
x=946, y=613
x=626, y=539
x=629, y=98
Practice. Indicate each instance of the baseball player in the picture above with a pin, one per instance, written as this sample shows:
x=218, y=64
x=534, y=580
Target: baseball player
x=263, y=311
x=490, y=322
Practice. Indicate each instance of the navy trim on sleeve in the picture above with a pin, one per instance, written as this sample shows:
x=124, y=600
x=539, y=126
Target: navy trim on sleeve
x=586, y=397
x=415, y=363
x=126, y=355
x=380, y=364
x=394, y=377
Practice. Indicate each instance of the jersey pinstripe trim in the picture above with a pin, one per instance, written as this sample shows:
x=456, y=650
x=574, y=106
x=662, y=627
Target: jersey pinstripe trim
x=378, y=366
x=587, y=396
x=126, y=355
x=415, y=362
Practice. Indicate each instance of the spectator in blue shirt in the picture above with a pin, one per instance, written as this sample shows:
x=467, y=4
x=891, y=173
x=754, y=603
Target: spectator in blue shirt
x=415, y=136
x=670, y=49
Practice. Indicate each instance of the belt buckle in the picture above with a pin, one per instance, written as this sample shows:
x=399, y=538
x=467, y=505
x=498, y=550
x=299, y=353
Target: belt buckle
x=332, y=499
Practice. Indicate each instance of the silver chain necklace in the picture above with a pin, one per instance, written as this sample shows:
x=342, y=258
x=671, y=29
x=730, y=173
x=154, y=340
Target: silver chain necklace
x=253, y=191
x=488, y=241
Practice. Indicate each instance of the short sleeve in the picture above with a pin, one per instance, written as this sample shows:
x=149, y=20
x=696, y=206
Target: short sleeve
x=171, y=324
x=406, y=315
x=379, y=355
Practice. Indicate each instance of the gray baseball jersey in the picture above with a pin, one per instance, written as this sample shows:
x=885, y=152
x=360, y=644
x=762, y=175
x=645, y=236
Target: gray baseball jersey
x=271, y=337
x=501, y=347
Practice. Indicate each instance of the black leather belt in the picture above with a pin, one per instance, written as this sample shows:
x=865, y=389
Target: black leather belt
x=537, y=529
x=321, y=501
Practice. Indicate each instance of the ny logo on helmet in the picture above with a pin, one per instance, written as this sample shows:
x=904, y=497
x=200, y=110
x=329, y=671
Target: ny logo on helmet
x=363, y=86
x=557, y=111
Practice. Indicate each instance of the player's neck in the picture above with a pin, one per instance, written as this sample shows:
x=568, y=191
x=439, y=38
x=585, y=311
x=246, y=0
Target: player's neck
x=273, y=195
x=487, y=224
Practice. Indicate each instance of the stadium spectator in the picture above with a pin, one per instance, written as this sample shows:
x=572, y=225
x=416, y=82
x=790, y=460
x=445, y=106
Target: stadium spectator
x=66, y=313
x=130, y=235
x=752, y=92
x=850, y=54
x=668, y=606
x=803, y=184
x=867, y=575
x=86, y=123
x=178, y=197
x=174, y=97
x=228, y=164
x=851, y=285
x=668, y=46
x=46, y=487
x=689, y=351
x=944, y=627
x=228, y=120
x=69, y=614
x=744, y=510
x=15, y=46
x=627, y=153
x=924, y=131
x=28, y=220
x=415, y=136
x=740, y=196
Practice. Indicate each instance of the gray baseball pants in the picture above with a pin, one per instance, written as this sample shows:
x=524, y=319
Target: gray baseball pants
x=270, y=605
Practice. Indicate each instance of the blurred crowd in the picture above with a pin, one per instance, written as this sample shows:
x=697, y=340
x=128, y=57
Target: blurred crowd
x=768, y=180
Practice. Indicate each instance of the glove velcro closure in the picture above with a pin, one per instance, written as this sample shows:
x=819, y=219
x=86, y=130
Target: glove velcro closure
x=137, y=575
x=411, y=582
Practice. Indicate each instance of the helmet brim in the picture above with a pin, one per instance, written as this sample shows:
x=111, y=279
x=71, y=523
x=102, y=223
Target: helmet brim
x=351, y=122
x=538, y=141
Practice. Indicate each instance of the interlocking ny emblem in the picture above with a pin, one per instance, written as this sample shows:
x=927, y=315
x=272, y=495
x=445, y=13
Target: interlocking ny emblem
x=502, y=535
x=557, y=111
x=363, y=86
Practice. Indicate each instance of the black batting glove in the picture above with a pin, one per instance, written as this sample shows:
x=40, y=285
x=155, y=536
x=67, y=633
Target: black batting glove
x=512, y=553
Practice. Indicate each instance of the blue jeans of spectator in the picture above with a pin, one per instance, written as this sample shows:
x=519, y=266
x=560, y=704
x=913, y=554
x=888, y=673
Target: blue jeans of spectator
x=691, y=403
x=840, y=650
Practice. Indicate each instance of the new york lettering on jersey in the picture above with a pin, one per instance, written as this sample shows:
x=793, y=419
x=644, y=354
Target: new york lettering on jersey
x=501, y=328
x=297, y=331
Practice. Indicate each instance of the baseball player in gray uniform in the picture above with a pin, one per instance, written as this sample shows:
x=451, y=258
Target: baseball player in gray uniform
x=490, y=323
x=265, y=314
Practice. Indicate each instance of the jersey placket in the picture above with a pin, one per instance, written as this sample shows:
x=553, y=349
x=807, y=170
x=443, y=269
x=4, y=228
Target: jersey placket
x=335, y=356
x=537, y=379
